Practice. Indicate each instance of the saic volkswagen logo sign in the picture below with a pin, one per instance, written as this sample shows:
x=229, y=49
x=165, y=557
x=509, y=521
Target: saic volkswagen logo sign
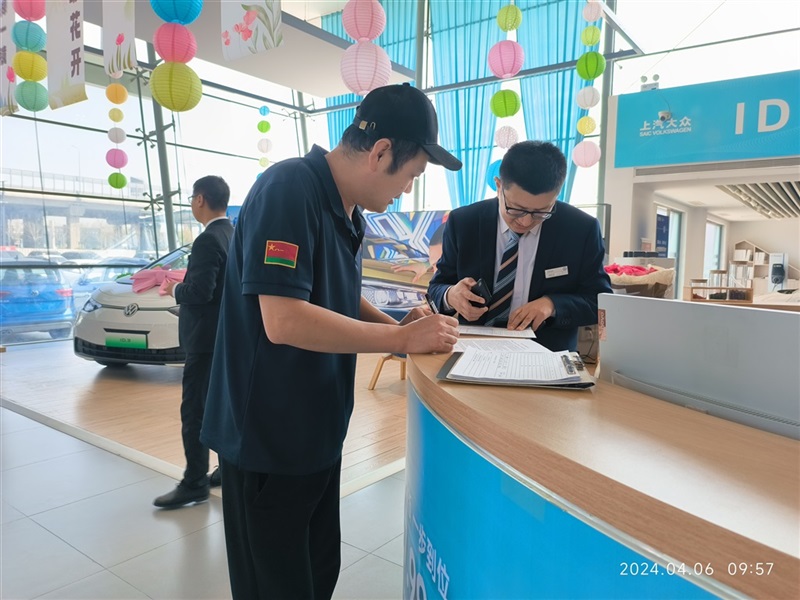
x=131, y=309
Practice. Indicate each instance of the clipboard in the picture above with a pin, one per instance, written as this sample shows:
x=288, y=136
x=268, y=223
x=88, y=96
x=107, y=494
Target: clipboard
x=586, y=380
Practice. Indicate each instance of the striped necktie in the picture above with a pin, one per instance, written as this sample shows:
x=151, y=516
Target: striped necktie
x=500, y=307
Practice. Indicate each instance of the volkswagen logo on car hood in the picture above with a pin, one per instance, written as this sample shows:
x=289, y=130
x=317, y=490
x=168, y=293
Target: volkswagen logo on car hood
x=131, y=309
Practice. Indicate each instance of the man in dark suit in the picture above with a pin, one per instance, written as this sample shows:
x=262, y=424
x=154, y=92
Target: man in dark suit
x=542, y=260
x=199, y=297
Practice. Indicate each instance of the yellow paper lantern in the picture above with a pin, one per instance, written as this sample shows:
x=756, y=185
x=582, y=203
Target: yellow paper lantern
x=591, y=35
x=116, y=93
x=116, y=115
x=263, y=161
x=586, y=125
x=509, y=18
x=175, y=86
x=30, y=66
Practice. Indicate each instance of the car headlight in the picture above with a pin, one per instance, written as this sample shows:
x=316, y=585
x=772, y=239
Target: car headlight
x=91, y=306
x=175, y=310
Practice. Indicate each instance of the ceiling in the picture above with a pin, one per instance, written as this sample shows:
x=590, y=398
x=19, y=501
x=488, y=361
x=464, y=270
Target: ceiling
x=307, y=61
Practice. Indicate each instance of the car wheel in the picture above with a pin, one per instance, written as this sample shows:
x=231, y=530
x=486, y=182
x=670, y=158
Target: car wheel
x=114, y=365
x=59, y=334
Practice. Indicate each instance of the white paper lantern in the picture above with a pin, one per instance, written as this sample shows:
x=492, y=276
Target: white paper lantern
x=586, y=154
x=117, y=135
x=506, y=136
x=264, y=145
x=592, y=11
x=588, y=97
x=364, y=67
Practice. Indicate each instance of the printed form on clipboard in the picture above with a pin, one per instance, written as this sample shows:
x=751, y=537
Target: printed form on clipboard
x=533, y=369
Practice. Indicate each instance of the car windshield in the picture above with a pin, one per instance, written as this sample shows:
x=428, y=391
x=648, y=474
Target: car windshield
x=177, y=259
x=26, y=275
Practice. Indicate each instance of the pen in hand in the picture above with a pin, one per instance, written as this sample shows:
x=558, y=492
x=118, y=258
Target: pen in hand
x=431, y=304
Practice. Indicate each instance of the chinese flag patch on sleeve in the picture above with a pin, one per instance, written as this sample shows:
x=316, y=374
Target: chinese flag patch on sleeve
x=281, y=253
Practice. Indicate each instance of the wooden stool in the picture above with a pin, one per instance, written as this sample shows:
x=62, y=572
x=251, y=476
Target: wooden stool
x=401, y=358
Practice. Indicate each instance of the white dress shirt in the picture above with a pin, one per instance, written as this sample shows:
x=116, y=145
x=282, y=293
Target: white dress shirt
x=528, y=244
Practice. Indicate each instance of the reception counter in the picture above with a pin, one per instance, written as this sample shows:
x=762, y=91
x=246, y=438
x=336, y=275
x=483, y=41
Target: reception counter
x=604, y=493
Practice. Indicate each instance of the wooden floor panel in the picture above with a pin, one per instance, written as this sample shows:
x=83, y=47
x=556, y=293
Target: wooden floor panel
x=138, y=405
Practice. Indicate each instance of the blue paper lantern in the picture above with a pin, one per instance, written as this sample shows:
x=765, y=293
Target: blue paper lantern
x=177, y=11
x=264, y=111
x=492, y=172
x=29, y=36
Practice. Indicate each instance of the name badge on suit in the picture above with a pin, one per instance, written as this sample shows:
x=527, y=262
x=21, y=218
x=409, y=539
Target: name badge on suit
x=557, y=272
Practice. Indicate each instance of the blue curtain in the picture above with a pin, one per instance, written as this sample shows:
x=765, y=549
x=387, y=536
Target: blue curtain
x=548, y=100
x=399, y=41
x=461, y=35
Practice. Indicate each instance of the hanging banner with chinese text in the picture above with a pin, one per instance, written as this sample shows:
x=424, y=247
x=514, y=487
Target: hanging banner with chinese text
x=66, y=76
x=119, y=49
x=8, y=104
x=250, y=28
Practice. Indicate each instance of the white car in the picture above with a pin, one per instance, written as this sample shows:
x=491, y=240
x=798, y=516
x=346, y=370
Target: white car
x=117, y=326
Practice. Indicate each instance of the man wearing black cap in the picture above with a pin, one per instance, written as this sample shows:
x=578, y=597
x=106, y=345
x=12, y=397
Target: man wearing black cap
x=291, y=324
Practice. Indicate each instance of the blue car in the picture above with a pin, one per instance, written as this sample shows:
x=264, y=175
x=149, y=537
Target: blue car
x=34, y=297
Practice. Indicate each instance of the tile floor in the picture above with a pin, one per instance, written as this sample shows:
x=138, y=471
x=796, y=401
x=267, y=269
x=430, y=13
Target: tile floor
x=76, y=522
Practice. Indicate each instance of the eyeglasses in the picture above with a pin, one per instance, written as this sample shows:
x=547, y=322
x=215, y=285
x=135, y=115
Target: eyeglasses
x=192, y=197
x=518, y=213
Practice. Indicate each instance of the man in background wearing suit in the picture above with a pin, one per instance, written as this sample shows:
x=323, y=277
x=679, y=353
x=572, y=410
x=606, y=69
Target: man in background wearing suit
x=542, y=260
x=199, y=297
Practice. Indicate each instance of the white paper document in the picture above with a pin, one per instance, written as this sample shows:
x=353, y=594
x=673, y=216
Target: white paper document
x=499, y=345
x=495, y=331
x=514, y=367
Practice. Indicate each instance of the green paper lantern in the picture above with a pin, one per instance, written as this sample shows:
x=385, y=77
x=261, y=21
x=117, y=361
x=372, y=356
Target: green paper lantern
x=176, y=86
x=591, y=35
x=505, y=103
x=263, y=162
x=591, y=65
x=264, y=126
x=509, y=17
x=117, y=181
x=30, y=66
x=31, y=96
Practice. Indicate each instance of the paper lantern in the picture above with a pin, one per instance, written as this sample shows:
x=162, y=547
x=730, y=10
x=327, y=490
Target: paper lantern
x=364, y=67
x=175, y=86
x=592, y=11
x=177, y=11
x=264, y=145
x=116, y=93
x=117, y=181
x=363, y=20
x=505, y=103
x=492, y=172
x=117, y=135
x=588, y=97
x=263, y=111
x=590, y=36
x=116, y=158
x=506, y=136
x=506, y=58
x=28, y=36
x=116, y=115
x=586, y=154
x=30, y=10
x=509, y=18
x=264, y=126
x=586, y=125
x=263, y=161
x=30, y=66
x=591, y=65
x=31, y=96
x=175, y=43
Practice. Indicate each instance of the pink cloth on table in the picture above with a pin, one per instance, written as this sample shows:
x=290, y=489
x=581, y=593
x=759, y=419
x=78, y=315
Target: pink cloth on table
x=150, y=278
x=616, y=269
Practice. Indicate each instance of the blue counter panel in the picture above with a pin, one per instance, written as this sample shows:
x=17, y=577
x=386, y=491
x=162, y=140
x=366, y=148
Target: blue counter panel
x=474, y=532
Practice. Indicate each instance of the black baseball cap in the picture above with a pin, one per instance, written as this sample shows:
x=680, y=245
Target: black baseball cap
x=403, y=112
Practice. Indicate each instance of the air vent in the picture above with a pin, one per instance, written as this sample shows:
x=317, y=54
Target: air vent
x=776, y=200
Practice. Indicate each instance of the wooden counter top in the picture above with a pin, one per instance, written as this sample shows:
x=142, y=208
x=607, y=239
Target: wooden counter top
x=695, y=488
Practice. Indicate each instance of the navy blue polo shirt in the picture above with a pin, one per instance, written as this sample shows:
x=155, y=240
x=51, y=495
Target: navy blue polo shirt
x=276, y=408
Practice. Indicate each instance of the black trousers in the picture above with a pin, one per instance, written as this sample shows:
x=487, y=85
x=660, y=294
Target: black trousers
x=196, y=374
x=282, y=533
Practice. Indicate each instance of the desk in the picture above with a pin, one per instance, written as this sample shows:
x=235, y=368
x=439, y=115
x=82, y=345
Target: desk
x=608, y=493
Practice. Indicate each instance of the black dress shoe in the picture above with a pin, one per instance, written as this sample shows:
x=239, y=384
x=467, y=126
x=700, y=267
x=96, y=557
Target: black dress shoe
x=215, y=479
x=181, y=496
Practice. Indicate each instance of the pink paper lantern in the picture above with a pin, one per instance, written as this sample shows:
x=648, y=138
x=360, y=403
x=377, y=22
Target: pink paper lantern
x=586, y=154
x=175, y=43
x=30, y=10
x=116, y=158
x=592, y=11
x=506, y=136
x=365, y=67
x=363, y=20
x=506, y=58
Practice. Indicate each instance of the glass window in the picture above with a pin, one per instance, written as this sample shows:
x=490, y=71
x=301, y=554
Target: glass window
x=713, y=251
